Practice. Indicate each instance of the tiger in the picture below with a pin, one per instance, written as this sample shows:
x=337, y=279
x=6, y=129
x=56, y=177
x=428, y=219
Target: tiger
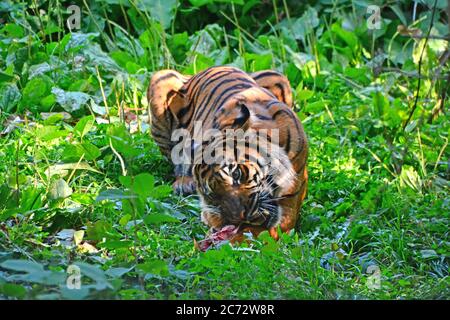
x=242, y=188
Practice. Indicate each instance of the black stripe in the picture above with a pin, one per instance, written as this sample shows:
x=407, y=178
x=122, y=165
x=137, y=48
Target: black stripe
x=157, y=135
x=204, y=85
x=195, y=81
x=204, y=173
x=205, y=81
x=251, y=158
x=279, y=86
x=182, y=90
x=245, y=171
x=294, y=118
x=266, y=74
x=289, y=113
x=158, y=125
x=183, y=112
x=194, y=96
x=272, y=103
x=288, y=142
x=237, y=86
x=165, y=77
x=216, y=102
x=218, y=86
x=262, y=117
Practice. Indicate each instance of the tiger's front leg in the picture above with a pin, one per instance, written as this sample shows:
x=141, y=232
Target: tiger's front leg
x=291, y=206
x=184, y=183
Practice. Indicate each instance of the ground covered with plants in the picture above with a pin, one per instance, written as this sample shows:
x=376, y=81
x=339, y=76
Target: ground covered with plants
x=85, y=195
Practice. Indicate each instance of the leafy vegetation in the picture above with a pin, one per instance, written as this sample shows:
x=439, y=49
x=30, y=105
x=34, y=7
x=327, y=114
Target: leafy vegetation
x=83, y=186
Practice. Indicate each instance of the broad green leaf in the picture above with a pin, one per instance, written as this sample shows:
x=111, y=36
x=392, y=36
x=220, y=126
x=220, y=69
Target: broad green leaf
x=75, y=294
x=259, y=61
x=411, y=126
x=359, y=232
x=48, y=133
x=13, y=290
x=305, y=24
x=154, y=267
x=47, y=102
x=342, y=208
x=122, y=141
x=9, y=96
x=98, y=57
x=126, y=181
x=22, y=266
x=31, y=198
x=143, y=184
x=117, y=272
x=12, y=30
x=400, y=14
x=134, y=207
x=34, y=272
x=84, y=125
x=348, y=37
x=160, y=10
x=315, y=107
x=90, y=151
x=5, y=77
x=381, y=104
x=95, y=273
x=74, y=152
x=122, y=57
x=161, y=192
x=35, y=90
x=304, y=94
x=39, y=69
x=98, y=230
x=70, y=101
x=5, y=193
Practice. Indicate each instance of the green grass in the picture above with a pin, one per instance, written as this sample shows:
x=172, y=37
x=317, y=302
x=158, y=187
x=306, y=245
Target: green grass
x=375, y=221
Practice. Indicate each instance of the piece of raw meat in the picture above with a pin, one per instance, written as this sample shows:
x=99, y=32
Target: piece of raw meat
x=216, y=238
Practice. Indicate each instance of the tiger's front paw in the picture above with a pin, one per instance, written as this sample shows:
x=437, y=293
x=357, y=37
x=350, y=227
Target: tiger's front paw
x=184, y=185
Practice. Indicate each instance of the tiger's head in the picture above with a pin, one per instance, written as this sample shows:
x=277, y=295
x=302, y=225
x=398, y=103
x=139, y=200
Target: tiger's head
x=247, y=172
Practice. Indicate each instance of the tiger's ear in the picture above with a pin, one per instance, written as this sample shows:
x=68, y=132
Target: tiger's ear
x=165, y=93
x=242, y=119
x=276, y=83
x=235, y=115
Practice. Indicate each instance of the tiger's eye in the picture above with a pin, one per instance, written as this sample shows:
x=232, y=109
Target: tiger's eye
x=236, y=175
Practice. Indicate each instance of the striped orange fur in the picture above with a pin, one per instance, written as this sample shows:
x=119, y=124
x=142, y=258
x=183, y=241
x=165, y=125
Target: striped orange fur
x=242, y=190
